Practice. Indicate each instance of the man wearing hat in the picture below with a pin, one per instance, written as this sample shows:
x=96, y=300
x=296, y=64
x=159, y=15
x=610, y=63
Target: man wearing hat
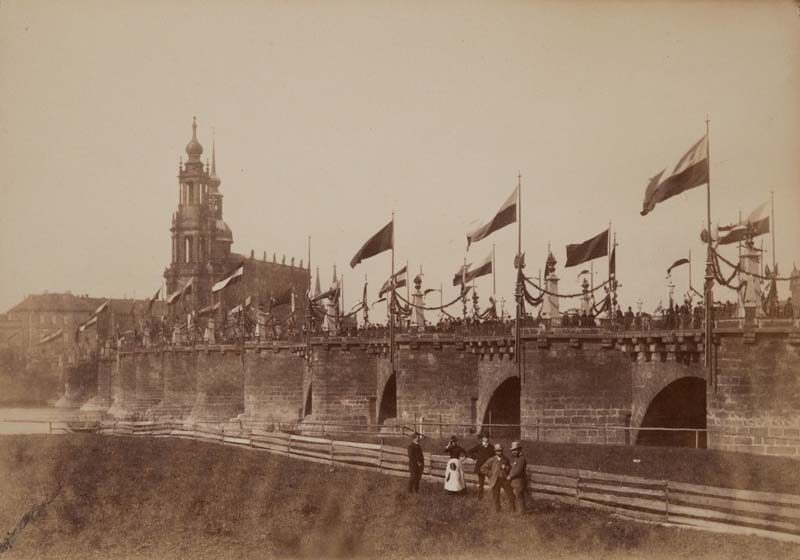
x=481, y=453
x=416, y=463
x=518, y=475
x=496, y=468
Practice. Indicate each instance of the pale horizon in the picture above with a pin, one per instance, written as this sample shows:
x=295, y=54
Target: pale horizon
x=329, y=117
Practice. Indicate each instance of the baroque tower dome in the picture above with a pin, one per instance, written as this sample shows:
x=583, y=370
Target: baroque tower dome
x=193, y=148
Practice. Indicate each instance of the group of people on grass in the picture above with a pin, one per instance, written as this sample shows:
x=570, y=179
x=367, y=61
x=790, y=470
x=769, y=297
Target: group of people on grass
x=501, y=474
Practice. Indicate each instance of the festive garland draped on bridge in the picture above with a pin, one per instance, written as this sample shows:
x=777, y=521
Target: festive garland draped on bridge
x=438, y=308
x=578, y=294
x=759, y=276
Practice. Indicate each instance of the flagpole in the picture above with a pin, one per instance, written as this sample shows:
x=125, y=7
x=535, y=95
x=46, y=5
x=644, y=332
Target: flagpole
x=308, y=305
x=518, y=325
x=709, y=277
x=690, y=270
x=772, y=228
x=494, y=279
x=391, y=302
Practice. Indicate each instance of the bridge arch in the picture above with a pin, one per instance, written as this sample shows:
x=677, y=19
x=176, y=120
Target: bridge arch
x=307, y=408
x=503, y=407
x=387, y=405
x=681, y=404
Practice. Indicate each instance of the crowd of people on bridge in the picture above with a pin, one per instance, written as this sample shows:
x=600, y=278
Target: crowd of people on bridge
x=503, y=476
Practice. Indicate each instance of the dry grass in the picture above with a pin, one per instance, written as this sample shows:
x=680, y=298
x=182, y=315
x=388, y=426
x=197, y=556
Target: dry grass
x=125, y=498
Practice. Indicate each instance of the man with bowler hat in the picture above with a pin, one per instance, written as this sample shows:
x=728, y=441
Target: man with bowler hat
x=496, y=468
x=416, y=463
x=518, y=475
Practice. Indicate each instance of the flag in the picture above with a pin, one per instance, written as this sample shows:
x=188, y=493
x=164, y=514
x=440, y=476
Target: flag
x=282, y=299
x=505, y=216
x=230, y=279
x=185, y=291
x=378, y=243
x=757, y=223
x=91, y=321
x=582, y=272
x=679, y=262
x=400, y=280
x=594, y=248
x=364, y=297
x=208, y=310
x=153, y=300
x=690, y=171
x=484, y=268
x=612, y=263
x=429, y=290
x=332, y=293
x=51, y=337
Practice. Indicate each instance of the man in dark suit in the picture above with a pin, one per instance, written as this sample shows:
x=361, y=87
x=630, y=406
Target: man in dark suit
x=481, y=453
x=416, y=464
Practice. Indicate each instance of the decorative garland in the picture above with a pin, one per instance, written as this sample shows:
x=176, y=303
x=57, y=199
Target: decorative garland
x=736, y=266
x=532, y=283
x=439, y=308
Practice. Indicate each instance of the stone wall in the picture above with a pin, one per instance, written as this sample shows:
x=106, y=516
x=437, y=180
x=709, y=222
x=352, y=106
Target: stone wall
x=754, y=398
x=220, y=384
x=437, y=383
x=273, y=384
x=576, y=382
x=343, y=382
x=179, y=383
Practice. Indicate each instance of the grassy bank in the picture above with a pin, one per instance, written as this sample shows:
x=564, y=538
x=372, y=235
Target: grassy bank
x=126, y=498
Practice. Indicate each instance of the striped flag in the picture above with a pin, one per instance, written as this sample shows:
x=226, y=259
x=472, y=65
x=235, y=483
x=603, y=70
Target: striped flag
x=507, y=214
x=484, y=268
x=691, y=171
x=400, y=280
x=230, y=279
x=185, y=291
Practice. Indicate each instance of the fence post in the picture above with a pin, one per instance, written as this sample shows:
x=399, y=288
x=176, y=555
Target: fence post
x=380, y=457
x=578, y=486
x=332, y=449
x=289, y=445
x=440, y=425
x=696, y=439
x=666, y=499
x=605, y=435
x=50, y=427
x=537, y=430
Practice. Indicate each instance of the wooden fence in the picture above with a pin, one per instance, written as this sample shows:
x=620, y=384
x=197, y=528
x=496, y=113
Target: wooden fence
x=726, y=510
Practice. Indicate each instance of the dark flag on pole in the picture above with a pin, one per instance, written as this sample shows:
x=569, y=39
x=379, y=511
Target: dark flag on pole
x=153, y=300
x=691, y=171
x=677, y=263
x=378, y=243
x=505, y=216
x=612, y=263
x=594, y=248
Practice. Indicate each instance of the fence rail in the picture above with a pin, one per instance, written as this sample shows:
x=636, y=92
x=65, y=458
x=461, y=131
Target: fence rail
x=772, y=515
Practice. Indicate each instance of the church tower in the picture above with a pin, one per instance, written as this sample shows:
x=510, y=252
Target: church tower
x=201, y=240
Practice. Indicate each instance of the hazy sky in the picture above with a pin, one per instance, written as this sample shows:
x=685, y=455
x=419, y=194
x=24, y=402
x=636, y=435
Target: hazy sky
x=329, y=115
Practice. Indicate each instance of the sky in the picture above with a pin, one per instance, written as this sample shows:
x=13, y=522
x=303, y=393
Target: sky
x=329, y=116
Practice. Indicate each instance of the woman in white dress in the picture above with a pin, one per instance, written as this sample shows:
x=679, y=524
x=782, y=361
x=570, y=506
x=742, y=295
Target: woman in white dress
x=454, y=483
